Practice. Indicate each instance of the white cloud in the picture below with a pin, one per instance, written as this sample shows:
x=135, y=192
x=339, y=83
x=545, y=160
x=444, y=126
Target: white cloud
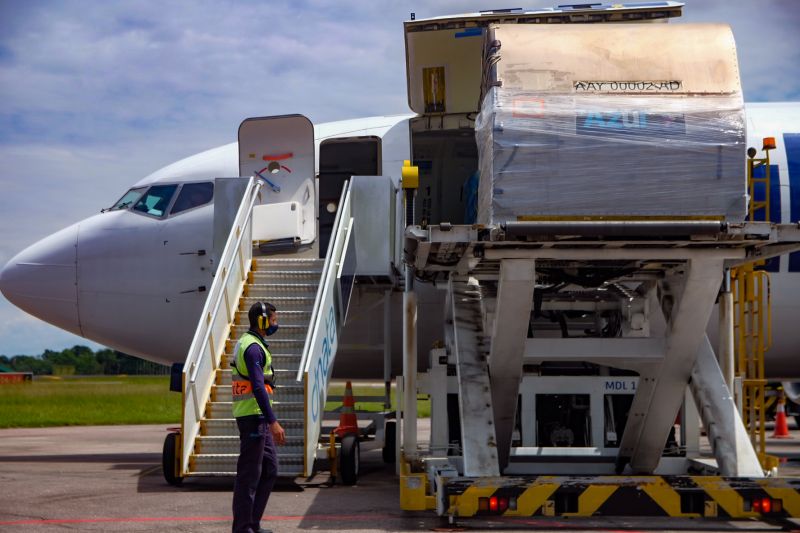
x=98, y=94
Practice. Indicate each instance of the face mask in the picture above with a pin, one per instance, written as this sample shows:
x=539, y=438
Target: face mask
x=271, y=330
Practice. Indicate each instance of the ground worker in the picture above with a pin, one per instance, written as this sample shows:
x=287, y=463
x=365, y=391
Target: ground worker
x=252, y=381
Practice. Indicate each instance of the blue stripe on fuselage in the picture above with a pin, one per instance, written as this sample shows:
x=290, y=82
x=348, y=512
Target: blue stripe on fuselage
x=792, y=143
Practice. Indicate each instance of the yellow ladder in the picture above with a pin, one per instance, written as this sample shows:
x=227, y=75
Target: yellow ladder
x=753, y=320
x=752, y=165
x=752, y=337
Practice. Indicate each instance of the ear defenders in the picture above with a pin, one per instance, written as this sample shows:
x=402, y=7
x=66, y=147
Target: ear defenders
x=263, y=319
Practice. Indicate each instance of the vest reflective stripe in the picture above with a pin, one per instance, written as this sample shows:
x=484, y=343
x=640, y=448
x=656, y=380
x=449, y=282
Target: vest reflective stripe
x=244, y=401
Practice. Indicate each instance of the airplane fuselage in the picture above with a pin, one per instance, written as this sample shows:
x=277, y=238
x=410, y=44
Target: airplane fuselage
x=136, y=279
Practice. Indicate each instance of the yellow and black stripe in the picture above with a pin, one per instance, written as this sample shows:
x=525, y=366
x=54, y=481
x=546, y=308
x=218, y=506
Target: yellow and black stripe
x=675, y=496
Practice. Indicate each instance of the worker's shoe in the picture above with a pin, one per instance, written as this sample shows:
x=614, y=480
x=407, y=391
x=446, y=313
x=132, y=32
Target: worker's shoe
x=264, y=530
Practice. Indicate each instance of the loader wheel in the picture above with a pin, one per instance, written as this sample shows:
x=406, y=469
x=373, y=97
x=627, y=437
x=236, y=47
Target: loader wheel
x=389, y=442
x=349, y=457
x=168, y=460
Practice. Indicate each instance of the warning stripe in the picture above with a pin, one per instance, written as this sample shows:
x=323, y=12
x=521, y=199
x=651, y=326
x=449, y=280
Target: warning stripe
x=667, y=498
x=725, y=496
x=592, y=498
x=467, y=503
x=674, y=496
x=789, y=496
x=533, y=497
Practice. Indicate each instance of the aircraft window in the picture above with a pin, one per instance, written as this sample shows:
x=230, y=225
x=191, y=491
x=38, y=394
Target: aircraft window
x=193, y=195
x=128, y=198
x=156, y=200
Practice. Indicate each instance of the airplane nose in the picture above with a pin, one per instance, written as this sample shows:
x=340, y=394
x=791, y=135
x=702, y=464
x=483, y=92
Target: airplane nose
x=42, y=280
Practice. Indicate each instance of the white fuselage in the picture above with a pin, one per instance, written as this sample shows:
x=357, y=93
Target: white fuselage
x=137, y=282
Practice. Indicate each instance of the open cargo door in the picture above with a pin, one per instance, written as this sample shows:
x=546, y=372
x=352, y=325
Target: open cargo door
x=279, y=151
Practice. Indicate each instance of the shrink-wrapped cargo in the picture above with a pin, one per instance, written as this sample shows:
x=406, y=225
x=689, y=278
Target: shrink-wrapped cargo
x=544, y=155
x=611, y=122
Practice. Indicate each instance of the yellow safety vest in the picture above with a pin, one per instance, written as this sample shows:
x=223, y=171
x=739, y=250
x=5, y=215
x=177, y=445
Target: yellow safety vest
x=244, y=401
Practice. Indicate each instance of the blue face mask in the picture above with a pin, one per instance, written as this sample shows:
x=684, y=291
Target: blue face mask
x=271, y=330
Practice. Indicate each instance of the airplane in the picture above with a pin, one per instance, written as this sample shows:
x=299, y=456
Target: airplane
x=135, y=276
x=139, y=265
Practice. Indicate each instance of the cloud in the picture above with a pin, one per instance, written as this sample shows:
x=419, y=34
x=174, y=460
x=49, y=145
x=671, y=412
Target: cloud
x=96, y=95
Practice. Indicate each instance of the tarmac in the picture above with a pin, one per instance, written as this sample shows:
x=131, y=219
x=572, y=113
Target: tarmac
x=109, y=479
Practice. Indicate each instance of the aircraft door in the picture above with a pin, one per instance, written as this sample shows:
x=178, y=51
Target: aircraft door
x=279, y=151
x=339, y=159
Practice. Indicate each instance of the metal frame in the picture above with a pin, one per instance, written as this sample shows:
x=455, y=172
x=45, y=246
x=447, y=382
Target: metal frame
x=491, y=285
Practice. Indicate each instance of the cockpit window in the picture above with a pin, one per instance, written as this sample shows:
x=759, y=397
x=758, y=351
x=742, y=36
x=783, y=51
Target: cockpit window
x=128, y=198
x=193, y=195
x=156, y=200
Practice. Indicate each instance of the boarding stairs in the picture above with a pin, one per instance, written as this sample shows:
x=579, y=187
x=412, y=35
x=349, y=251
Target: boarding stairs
x=308, y=295
x=290, y=285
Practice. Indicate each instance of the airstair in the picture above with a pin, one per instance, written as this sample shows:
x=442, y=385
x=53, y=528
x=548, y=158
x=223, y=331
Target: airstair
x=311, y=296
x=290, y=285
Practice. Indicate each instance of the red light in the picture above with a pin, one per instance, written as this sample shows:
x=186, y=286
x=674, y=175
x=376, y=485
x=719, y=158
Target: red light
x=502, y=504
x=757, y=506
x=493, y=504
x=483, y=504
x=766, y=505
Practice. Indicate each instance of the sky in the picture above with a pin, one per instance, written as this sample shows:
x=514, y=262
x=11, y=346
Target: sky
x=96, y=95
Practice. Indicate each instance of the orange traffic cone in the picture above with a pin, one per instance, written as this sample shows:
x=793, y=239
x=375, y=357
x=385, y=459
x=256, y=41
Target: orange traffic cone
x=348, y=423
x=781, y=426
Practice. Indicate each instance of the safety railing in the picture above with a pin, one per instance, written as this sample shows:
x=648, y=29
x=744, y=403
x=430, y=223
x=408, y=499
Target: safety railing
x=213, y=329
x=322, y=339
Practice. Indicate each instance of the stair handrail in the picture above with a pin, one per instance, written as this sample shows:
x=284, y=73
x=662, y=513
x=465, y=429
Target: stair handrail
x=326, y=267
x=322, y=338
x=213, y=328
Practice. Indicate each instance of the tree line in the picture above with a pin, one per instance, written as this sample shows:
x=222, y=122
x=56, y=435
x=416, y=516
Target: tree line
x=84, y=361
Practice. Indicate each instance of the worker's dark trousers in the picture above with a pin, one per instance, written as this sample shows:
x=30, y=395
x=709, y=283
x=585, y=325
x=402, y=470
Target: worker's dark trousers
x=256, y=473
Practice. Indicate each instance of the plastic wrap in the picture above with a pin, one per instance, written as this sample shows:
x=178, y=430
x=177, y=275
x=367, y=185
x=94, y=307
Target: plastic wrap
x=610, y=155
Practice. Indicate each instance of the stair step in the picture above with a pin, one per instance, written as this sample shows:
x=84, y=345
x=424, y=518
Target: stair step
x=306, y=275
x=286, y=345
x=267, y=290
x=302, y=318
x=281, y=303
x=230, y=445
x=279, y=361
x=288, y=410
x=284, y=377
x=288, y=465
x=227, y=426
x=222, y=393
x=288, y=357
x=286, y=332
x=263, y=264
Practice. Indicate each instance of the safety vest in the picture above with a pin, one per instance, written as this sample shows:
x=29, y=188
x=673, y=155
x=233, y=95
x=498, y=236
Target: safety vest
x=244, y=401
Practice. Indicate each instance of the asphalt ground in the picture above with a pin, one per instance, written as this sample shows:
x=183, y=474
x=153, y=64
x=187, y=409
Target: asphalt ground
x=109, y=479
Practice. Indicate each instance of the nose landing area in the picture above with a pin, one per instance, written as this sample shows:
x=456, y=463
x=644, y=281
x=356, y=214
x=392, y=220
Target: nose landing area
x=42, y=280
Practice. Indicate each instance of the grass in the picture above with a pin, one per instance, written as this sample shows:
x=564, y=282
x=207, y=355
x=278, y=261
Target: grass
x=85, y=401
x=121, y=400
x=360, y=392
